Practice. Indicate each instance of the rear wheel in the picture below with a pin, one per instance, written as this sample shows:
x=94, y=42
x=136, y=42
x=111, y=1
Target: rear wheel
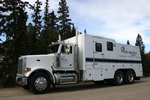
x=129, y=77
x=119, y=78
x=39, y=83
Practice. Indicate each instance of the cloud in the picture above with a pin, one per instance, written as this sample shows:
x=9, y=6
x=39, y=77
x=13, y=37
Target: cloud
x=121, y=20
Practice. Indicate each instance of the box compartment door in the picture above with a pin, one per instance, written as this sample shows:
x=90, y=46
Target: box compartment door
x=98, y=56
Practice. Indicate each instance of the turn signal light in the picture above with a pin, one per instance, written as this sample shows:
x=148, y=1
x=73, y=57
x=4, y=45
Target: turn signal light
x=28, y=69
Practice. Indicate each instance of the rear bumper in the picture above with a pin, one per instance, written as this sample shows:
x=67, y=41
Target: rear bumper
x=21, y=80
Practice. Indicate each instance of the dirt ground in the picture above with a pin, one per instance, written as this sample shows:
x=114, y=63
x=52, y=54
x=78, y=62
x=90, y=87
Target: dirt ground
x=140, y=90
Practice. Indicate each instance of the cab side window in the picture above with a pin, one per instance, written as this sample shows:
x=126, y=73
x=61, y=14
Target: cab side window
x=109, y=46
x=98, y=47
x=64, y=47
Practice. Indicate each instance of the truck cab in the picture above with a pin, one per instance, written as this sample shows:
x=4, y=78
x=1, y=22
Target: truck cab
x=38, y=72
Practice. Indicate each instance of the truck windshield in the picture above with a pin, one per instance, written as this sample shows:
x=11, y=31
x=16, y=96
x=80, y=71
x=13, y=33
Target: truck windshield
x=53, y=48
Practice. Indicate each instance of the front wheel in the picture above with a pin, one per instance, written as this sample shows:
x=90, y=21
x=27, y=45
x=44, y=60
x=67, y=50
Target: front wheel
x=119, y=78
x=39, y=83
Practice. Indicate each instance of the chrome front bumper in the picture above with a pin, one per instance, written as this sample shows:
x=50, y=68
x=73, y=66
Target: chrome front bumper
x=21, y=80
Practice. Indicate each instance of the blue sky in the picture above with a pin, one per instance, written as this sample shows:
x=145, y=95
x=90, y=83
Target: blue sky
x=121, y=20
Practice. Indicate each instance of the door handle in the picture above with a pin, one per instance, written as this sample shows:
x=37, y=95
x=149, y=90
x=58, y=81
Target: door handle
x=102, y=54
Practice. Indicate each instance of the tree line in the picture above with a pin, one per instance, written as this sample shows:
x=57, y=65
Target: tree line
x=145, y=57
x=24, y=38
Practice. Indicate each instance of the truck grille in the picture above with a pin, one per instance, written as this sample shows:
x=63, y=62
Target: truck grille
x=20, y=66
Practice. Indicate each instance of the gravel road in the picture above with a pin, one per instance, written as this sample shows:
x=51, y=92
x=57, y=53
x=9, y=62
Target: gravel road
x=140, y=90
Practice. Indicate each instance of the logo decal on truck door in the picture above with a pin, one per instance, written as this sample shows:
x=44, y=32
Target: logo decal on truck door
x=63, y=58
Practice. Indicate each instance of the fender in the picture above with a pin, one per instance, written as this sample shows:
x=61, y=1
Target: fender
x=37, y=69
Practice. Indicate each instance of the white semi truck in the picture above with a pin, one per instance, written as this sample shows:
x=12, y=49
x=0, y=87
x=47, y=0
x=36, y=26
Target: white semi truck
x=79, y=59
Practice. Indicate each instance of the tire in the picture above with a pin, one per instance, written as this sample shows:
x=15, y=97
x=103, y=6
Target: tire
x=118, y=78
x=129, y=77
x=39, y=83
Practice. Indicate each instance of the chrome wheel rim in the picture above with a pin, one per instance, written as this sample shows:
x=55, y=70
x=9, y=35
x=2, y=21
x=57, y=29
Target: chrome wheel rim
x=119, y=78
x=130, y=77
x=40, y=83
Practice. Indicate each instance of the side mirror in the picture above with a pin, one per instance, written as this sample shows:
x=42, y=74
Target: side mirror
x=67, y=48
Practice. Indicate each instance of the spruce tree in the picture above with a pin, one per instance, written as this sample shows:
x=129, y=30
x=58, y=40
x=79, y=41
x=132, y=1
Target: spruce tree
x=53, y=26
x=50, y=27
x=146, y=64
x=128, y=42
x=46, y=12
x=85, y=31
x=139, y=42
x=29, y=38
x=44, y=38
x=73, y=31
x=46, y=18
x=13, y=26
x=37, y=27
x=64, y=20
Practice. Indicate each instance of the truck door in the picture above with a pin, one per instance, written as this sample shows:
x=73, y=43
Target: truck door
x=98, y=56
x=66, y=58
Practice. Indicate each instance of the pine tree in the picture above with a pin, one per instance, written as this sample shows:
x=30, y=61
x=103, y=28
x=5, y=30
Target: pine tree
x=37, y=27
x=50, y=31
x=46, y=12
x=146, y=64
x=64, y=20
x=53, y=26
x=2, y=17
x=128, y=42
x=29, y=38
x=85, y=31
x=14, y=18
x=73, y=31
x=46, y=22
x=45, y=35
x=139, y=42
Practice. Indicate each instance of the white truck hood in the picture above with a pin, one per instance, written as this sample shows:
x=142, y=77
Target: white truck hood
x=38, y=62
